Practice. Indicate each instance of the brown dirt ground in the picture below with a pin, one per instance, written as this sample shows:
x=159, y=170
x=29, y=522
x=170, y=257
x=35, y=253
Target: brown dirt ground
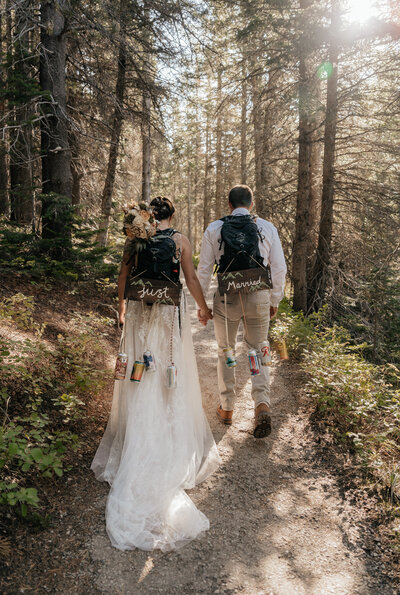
x=287, y=513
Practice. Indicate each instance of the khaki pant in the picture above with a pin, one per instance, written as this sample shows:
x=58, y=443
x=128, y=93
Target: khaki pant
x=256, y=309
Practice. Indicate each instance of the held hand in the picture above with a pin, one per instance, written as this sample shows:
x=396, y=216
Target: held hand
x=273, y=311
x=200, y=318
x=204, y=314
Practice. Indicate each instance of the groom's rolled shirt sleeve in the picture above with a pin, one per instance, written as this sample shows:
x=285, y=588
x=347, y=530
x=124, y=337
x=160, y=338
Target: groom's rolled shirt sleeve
x=278, y=270
x=206, y=263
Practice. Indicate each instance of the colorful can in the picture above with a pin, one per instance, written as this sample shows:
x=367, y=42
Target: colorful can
x=265, y=350
x=149, y=361
x=172, y=376
x=229, y=357
x=120, y=366
x=137, y=371
x=253, y=362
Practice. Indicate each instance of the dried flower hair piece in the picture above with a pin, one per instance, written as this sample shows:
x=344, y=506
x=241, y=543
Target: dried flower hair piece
x=139, y=221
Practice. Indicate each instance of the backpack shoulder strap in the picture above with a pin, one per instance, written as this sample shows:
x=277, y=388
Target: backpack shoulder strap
x=224, y=220
x=169, y=232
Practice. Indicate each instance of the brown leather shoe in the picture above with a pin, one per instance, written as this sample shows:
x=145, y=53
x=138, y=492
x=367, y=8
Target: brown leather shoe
x=262, y=421
x=225, y=416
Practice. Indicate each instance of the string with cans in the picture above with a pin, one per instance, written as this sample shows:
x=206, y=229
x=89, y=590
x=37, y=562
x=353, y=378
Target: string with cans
x=171, y=381
x=252, y=353
x=148, y=362
x=121, y=363
x=230, y=360
x=172, y=372
x=263, y=358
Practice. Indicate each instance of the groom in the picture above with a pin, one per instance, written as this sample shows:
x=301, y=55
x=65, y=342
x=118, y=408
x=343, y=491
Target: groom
x=255, y=309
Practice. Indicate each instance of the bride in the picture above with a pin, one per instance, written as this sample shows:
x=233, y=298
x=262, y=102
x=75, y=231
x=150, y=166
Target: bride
x=157, y=442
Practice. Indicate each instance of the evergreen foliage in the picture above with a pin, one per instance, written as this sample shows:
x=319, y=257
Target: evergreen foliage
x=77, y=258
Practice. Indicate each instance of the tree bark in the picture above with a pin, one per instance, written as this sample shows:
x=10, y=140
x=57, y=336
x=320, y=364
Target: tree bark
x=189, y=206
x=314, y=210
x=206, y=195
x=76, y=170
x=258, y=121
x=106, y=199
x=321, y=267
x=4, y=205
x=307, y=200
x=219, y=199
x=56, y=154
x=74, y=101
x=21, y=184
x=146, y=146
x=265, y=207
x=299, y=255
x=243, y=128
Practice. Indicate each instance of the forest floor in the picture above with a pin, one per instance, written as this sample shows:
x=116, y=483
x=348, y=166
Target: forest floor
x=286, y=515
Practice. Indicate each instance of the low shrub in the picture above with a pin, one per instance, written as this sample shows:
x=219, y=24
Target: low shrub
x=359, y=401
x=42, y=397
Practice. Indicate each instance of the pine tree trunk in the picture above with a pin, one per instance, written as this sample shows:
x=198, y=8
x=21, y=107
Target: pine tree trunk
x=314, y=210
x=189, y=207
x=196, y=189
x=56, y=155
x=206, y=195
x=146, y=110
x=307, y=188
x=106, y=199
x=76, y=170
x=257, y=133
x=219, y=199
x=322, y=262
x=3, y=144
x=74, y=100
x=146, y=145
x=265, y=208
x=21, y=184
x=243, y=128
x=299, y=255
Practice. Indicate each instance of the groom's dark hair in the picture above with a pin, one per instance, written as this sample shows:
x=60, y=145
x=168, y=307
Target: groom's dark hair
x=240, y=196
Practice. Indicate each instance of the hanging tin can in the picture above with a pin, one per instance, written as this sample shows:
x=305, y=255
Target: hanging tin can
x=120, y=366
x=253, y=362
x=137, y=371
x=265, y=350
x=229, y=357
x=172, y=375
x=149, y=361
x=282, y=349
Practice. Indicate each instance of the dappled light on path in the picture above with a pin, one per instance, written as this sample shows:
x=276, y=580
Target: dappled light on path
x=278, y=524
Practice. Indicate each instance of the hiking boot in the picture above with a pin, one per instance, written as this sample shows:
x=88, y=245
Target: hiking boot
x=262, y=421
x=225, y=416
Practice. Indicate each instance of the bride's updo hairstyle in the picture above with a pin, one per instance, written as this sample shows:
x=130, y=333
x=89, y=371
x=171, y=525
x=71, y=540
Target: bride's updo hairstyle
x=163, y=208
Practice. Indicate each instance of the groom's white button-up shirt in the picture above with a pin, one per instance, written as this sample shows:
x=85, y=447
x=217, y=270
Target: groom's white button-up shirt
x=270, y=250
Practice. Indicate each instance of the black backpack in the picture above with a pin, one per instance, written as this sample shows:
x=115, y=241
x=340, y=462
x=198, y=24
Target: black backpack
x=240, y=237
x=158, y=259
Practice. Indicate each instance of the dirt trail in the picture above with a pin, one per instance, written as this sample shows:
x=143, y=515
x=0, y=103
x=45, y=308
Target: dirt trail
x=279, y=523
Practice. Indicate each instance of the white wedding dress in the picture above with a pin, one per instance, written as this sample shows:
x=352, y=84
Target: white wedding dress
x=157, y=442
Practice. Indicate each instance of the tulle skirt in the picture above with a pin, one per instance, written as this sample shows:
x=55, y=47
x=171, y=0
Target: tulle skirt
x=157, y=442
